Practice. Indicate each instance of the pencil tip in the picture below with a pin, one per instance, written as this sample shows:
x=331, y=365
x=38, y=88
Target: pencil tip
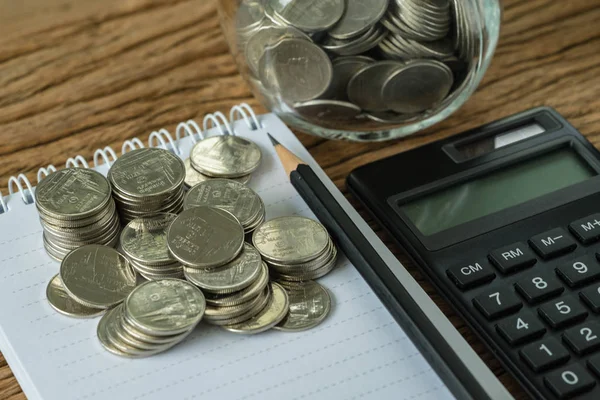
x=273, y=140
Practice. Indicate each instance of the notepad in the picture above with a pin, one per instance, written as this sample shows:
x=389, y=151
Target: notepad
x=358, y=352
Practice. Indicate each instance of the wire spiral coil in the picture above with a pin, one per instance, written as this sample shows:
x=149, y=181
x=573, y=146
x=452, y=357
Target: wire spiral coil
x=162, y=138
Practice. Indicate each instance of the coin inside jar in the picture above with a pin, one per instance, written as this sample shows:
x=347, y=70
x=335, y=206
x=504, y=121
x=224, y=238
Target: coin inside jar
x=205, y=237
x=97, y=276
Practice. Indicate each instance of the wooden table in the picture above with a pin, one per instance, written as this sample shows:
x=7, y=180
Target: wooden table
x=77, y=75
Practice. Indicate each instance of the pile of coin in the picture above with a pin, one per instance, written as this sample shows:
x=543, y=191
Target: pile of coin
x=156, y=316
x=226, y=156
x=241, y=201
x=147, y=181
x=387, y=61
x=97, y=277
x=144, y=242
x=76, y=209
x=295, y=248
x=238, y=289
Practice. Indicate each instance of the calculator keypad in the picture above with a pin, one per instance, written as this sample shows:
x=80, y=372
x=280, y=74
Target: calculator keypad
x=538, y=296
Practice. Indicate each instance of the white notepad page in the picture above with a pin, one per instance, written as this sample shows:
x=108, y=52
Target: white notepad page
x=358, y=352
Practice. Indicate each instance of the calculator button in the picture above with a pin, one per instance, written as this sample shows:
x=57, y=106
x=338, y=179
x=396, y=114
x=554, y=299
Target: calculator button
x=583, y=338
x=471, y=275
x=569, y=381
x=594, y=364
x=544, y=354
x=553, y=243
x=513, y=257
x=521, y=328
x=587, y=230
x=591, y=296
x=563, y=312
x=579, y=271
x=540, y=286
x=497, y=303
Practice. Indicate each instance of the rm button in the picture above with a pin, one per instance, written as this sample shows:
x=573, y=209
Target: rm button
x=467, y=276
x=512, y=258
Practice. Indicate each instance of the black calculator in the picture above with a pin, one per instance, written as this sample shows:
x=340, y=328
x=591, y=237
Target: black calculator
x=505, y=221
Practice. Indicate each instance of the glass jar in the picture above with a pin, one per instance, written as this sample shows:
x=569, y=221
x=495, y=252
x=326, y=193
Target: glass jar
x=362, y=70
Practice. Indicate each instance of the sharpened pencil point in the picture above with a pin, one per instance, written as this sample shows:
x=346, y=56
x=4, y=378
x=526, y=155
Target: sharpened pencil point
x=273, y=140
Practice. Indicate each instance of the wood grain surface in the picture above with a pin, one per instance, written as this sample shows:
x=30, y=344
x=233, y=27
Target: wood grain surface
x=77, y=75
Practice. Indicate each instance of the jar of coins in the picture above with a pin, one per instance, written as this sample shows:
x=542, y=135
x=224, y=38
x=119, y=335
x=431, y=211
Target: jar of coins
x=362, y=70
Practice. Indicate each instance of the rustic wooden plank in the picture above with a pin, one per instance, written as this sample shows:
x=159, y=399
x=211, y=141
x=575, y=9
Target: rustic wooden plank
x=80, y=75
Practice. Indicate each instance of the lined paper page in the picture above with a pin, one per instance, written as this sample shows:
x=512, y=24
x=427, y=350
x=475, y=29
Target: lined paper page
x=358, y=352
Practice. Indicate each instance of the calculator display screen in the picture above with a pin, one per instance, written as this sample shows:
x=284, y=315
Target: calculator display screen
x=497, y=191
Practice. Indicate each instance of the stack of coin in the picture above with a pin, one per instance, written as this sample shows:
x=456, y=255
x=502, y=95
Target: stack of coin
x=295, y=248
x=97, y=276
x=205, y=237
x=275, y=310
x=310, y=304
x=238, y=285
x=144, y=242
x=226, y=156
x=156, y=316
x=320, y=57
x=232, y=196
x=147, y=181
x=76, y=209
x=193, y=177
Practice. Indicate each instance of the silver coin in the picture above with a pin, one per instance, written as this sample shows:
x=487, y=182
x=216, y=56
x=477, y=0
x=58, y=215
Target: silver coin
x=275, y=310
x=193, y=177
x=344, y=68
x=102, y=333
x=147, y=173
x=165, y=307
x=358, y=17
x=225, y=156
x=257, y=307
x=327, y=110
x=418, y=86
x=297, y=69
x=232, y=277
x=228, y=195
x=97, y=276
x=72, y=194
x=60, y=300
x=265, y=37
x=250, y=14
x=205, y=237
x=131, y=330
x=310, y=304
x=216, y=314
x=365, y=88
x=360, y=44
x=145, y=239
x=242, y=296
x=290, y=239
x=309, y=15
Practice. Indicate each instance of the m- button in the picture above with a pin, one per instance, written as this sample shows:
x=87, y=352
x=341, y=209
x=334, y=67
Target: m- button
x=552, y=243
x=470, y=275
x=587, y=230
x=512, y=258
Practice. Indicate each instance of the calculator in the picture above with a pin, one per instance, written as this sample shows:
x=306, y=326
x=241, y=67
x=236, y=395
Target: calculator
x=505, y=221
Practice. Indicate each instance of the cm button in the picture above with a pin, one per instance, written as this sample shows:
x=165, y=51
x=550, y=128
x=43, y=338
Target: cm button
x=470, y=275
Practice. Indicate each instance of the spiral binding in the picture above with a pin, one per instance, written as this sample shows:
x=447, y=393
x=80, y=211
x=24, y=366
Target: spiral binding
x=161, y=138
